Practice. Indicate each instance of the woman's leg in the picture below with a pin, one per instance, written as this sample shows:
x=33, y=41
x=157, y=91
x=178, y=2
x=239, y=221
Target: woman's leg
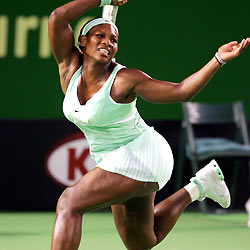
x=208, y=182
x=141, y=225
x=96, y=189
x=167, y=212
x=134, y=220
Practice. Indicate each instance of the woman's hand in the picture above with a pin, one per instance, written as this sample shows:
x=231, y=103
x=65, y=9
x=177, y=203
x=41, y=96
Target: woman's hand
x=118, y=3
x=233, y=49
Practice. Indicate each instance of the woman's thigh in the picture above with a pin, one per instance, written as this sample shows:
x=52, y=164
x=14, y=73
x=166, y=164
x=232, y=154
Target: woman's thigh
x=99, y=188
x=134, y=221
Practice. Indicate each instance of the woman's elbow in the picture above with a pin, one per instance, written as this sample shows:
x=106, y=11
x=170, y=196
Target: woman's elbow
x=181, y=95
x=57, y=15
x=186, y=98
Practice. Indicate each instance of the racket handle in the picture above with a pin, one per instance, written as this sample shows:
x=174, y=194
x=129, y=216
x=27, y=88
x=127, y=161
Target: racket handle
x=110, y=12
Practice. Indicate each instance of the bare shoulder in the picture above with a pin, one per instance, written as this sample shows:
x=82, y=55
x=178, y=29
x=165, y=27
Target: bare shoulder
x=133, y=75
x=68, y=68
x=125, y=82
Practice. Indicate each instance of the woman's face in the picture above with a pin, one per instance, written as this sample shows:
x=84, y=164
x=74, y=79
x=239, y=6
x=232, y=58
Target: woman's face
x=101, y=42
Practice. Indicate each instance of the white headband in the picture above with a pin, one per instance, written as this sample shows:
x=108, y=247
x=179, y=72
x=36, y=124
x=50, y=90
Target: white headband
x=95, y=22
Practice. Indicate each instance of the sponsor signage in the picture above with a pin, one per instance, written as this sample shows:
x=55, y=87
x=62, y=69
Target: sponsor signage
x=22, y=31
x=69, y=160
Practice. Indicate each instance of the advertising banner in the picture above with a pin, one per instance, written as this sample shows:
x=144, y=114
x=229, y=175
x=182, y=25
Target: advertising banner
x=168, y=41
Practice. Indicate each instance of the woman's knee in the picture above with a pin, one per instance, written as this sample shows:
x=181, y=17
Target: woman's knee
x=138, y=239
x=67, y=202
x=141, y=244
x=146, y=243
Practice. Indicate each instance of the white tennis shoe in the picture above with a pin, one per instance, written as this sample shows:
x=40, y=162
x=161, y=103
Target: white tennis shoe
x=211, y=184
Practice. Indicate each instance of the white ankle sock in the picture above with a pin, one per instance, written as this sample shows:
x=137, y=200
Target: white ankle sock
x=193, y=191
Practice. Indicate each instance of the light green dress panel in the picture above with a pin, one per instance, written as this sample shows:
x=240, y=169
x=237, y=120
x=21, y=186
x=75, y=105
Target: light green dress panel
x=119, y=139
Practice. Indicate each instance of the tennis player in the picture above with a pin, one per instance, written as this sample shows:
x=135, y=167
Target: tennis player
x=133, y=160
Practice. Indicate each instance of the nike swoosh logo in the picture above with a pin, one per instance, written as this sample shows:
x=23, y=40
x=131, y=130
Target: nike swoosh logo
x=76, y=110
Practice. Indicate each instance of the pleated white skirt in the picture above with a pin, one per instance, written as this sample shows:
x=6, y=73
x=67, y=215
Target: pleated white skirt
x=148, y=158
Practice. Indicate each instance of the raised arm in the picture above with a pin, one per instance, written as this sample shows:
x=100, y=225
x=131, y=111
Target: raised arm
x=60, y=33
x=167, y=92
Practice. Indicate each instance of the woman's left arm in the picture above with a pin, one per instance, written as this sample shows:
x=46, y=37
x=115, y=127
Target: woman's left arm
x=168, y=92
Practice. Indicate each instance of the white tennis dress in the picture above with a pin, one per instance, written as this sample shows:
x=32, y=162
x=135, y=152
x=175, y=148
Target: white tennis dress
x=119, y=139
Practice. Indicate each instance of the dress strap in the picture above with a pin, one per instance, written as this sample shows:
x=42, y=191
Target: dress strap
x=73, y=79
x=113, y=75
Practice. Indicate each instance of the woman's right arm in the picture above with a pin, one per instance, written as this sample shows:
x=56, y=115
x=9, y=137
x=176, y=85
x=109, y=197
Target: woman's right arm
x=60, y=33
